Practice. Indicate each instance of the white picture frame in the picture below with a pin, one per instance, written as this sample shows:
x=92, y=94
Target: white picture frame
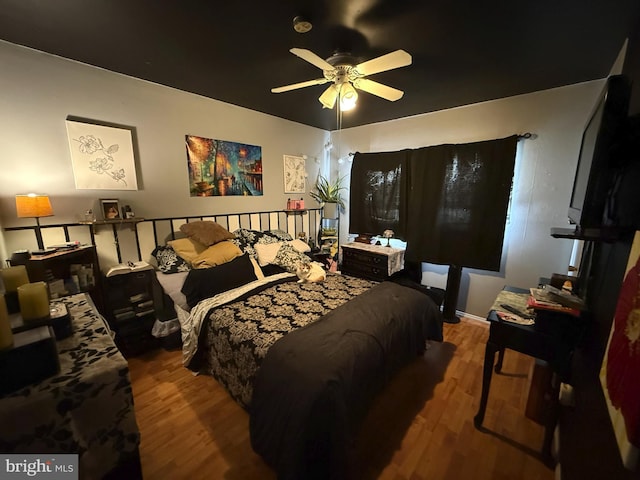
x=102, y=157
x=295, y=174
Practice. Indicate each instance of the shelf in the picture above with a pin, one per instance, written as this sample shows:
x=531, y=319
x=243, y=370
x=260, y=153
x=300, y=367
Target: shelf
x=131, y=222
x=298, y=210
x=602, y=234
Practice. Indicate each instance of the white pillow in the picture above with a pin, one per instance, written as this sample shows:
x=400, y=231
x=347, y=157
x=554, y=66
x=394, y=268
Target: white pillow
x=300, y=245
x=267, y=251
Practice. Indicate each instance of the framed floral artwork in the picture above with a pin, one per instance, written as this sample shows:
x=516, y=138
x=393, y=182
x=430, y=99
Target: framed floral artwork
x=102, y=156
x=295, y=174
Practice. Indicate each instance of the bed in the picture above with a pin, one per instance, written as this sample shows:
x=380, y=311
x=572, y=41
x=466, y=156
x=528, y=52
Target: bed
x=304, y=359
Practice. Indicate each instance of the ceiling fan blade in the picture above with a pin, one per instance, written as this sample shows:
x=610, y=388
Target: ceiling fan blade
x=392, y=60
x=378, y=89
x=312, y=58
x=293, y=86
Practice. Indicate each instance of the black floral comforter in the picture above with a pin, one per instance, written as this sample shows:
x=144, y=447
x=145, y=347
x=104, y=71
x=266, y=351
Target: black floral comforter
x=235, y=337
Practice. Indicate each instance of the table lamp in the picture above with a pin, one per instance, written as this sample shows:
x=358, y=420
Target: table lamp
x=388, y=234
x=36, y=206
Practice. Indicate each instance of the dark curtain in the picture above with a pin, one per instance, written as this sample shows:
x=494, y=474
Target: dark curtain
x=457, y=203
x=377, y=194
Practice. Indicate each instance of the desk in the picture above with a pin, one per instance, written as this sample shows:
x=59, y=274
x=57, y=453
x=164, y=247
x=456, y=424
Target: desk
x=86, y=408
x=553, y=339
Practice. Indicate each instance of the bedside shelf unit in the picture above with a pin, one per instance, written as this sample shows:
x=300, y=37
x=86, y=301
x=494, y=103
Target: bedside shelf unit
x=61, y=265
x=131, y=311
x=329, y=228
x=372, y=262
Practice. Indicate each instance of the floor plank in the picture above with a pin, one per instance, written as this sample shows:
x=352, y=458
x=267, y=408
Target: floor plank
x=419, y=428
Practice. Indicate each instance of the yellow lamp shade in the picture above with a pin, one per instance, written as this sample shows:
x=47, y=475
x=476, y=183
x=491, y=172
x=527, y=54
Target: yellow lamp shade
x=33, y=205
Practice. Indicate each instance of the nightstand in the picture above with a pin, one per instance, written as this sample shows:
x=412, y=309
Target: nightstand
x=131, y=311
x=373, y=262
x=69, y=266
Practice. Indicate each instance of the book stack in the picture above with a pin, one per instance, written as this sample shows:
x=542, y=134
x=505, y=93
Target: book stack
x=545, y=299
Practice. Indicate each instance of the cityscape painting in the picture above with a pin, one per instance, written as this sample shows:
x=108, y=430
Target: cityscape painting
x=221, y=168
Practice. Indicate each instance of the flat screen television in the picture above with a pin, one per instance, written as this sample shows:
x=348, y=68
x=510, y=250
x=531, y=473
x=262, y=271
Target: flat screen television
x=601, y=158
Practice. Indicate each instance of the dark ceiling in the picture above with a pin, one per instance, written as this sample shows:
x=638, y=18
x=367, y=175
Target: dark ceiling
x=236, y=51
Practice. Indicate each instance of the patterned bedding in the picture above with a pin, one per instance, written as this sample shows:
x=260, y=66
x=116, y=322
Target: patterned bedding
x=235, y=337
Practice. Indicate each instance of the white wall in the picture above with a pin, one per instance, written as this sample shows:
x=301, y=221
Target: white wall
x=542, y=181
x=39, y=91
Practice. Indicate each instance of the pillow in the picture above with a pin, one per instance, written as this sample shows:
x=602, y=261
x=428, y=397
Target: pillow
x=206, y=282
x=217, y=254
x=168, y=260
x=266, y=252
x=281, y=235
x=187, y=248
x=246, y=240
x=300, y=245
x=206, y=232
x=289, y=258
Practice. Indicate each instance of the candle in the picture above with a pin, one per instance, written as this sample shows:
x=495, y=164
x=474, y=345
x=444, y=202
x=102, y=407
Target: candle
x=6, y=336
x=34, y=301
x=13, y=277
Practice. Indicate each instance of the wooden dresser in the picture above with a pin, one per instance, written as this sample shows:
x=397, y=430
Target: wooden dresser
x=373, y=262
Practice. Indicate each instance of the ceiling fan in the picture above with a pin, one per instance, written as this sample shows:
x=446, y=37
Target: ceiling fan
x=347, y=76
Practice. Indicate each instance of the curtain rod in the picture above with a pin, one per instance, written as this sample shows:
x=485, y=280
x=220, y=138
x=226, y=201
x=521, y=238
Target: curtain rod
x=527, y=135
x=523, y=136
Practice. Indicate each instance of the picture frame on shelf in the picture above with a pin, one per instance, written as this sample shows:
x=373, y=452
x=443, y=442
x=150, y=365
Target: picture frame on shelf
x=110, y=209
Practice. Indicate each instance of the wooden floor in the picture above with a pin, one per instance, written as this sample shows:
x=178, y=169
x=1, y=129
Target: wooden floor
x=420, y=427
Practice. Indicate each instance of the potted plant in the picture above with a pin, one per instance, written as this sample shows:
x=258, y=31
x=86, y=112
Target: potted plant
x=328, y=195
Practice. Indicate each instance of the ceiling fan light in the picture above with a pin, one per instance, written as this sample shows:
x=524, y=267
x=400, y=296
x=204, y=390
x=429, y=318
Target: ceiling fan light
x=328, y=98
x=348, y=97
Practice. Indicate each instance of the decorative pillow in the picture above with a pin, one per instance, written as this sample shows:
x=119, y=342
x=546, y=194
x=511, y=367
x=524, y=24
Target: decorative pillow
x=300, y=245
x=246, y=240
x=187, y=248
x=281, y=234
x=168, y=260
x=206, y=232
x=289, y=258
x=221, y=252
x=267, y=252
x=207, y=282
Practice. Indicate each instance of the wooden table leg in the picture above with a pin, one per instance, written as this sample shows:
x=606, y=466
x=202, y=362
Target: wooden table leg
x=489, y=356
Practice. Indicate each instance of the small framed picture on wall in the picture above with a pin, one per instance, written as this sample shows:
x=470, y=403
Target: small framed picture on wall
x=110, y=208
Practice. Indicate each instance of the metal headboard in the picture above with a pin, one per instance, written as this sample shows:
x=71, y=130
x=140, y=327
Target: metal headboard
x=135, y=239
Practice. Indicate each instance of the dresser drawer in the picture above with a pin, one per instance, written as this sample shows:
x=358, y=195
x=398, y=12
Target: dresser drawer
x=367, y=258
x=364, y=264
x=364, y=271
